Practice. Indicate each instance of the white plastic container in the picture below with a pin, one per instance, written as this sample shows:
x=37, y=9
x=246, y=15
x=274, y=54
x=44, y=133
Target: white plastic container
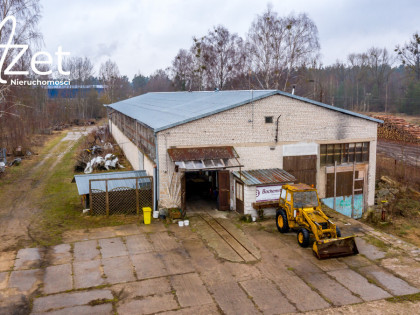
x=155, y=214
x=186, y=222
x=180, y=223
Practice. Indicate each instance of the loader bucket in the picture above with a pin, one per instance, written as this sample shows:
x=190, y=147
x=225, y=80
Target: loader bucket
x=335, y=247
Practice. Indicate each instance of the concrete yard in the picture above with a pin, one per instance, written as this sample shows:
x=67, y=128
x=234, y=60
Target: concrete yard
x=215, y=266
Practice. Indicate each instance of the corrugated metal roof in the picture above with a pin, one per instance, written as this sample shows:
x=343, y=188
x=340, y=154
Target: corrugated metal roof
x=82, y=181
x=266, y=176
x=202, y=153
x=163, y=110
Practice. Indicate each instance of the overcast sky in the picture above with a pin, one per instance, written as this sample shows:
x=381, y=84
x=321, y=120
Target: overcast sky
x=145, y=35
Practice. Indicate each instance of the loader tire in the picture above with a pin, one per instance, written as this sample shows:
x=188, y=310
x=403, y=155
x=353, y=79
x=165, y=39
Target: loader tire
x=303, y=237
x=338, y=231
x=281, y=221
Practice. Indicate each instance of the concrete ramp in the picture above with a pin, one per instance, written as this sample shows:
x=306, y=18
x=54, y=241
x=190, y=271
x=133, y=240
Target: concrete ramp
x=228, y=241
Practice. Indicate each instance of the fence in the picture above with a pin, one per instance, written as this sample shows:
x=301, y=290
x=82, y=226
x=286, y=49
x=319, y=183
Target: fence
x=398, y=169
x=120, y=195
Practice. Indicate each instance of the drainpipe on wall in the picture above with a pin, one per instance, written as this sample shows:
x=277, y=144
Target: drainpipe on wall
x=156, y=176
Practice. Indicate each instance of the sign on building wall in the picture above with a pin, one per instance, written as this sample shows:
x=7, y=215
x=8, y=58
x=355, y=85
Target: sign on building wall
x=267, y=193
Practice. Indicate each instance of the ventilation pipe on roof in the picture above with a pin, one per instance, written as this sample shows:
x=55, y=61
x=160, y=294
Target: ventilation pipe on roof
x=293, y=89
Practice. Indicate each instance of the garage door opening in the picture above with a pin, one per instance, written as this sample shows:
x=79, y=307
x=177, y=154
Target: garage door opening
x=205, y=190
x=201, y=190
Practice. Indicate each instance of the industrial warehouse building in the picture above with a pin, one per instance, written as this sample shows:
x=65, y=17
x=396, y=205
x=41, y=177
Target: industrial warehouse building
x=232, y=150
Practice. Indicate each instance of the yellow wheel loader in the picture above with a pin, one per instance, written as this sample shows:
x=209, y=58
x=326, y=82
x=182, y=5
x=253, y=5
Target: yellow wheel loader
x=300, y=210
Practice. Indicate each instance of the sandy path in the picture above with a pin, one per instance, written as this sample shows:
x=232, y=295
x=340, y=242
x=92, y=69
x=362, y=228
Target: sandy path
x=19, y=200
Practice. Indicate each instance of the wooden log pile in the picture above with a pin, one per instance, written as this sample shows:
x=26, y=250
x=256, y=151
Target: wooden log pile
x=398, y=129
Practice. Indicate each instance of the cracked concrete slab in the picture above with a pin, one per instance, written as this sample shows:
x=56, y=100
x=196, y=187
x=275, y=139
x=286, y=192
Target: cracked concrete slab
x=125, y=230
x=148, y=265
x=162, y=241
x=329, y=264
x=112, y=247
x=301, y=295
x=87, y=274
x=331, y=289
x=142, y=288
x=148, y=305
x=103, y=309
x=369, y=250
x=85, y=251
x=58, y=278
x=195, y=310
x=404, y=267
x=25, y=280
x=359, y=285
x=65, y=300
x=232, y=299
x=13, y=303
x=356, y=261
x=60, y=254
x=137, y=244
x=390, y=282
x=177, y=261
x=267, y=297
x=190, y=290
x=28, y=258
x=118, y=269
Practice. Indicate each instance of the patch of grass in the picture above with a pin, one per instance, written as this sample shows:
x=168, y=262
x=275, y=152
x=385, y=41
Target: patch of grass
x=403, y=298
x=101, y=301
x=62, y=209
x=15, y=172
x=377, y=243
x=373, y=281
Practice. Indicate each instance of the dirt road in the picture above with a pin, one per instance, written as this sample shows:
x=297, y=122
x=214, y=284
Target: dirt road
x=20, y=199
x=408, y=153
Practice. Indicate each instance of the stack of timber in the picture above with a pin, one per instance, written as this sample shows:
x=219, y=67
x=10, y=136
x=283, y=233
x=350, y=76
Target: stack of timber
x=398, y=129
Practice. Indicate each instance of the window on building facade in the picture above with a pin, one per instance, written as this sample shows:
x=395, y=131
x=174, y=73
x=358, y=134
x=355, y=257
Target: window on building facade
x=268, y=119
x=343, y=153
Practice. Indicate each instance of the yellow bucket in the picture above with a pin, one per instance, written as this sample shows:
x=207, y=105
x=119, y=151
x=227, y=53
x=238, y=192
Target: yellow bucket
x=147, y=215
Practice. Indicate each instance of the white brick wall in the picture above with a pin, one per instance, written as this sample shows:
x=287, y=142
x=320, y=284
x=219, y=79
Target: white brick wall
x=299, y=122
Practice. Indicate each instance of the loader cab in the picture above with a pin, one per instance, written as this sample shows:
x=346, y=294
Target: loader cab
x=305, y=199
x=298, y=196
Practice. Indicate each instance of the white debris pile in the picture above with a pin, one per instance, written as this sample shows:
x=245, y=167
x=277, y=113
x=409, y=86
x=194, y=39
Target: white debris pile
x=99, y=162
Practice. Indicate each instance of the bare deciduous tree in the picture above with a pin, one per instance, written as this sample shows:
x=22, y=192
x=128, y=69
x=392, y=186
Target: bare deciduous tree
x=108, y=74
x=18, y=115
x=279, y=45
x=81, y=69
x=159, y=82
x=222, y=53
x=409, y=54
x=183, y=70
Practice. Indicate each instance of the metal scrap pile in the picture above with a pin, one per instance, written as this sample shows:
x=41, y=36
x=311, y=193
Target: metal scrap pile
x=398, y=129
x=99, y=153
x=107, y=162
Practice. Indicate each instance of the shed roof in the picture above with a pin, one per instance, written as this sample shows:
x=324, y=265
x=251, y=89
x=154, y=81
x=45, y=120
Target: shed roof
x=82, y=181
x=164, y=110
x=264, y=176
